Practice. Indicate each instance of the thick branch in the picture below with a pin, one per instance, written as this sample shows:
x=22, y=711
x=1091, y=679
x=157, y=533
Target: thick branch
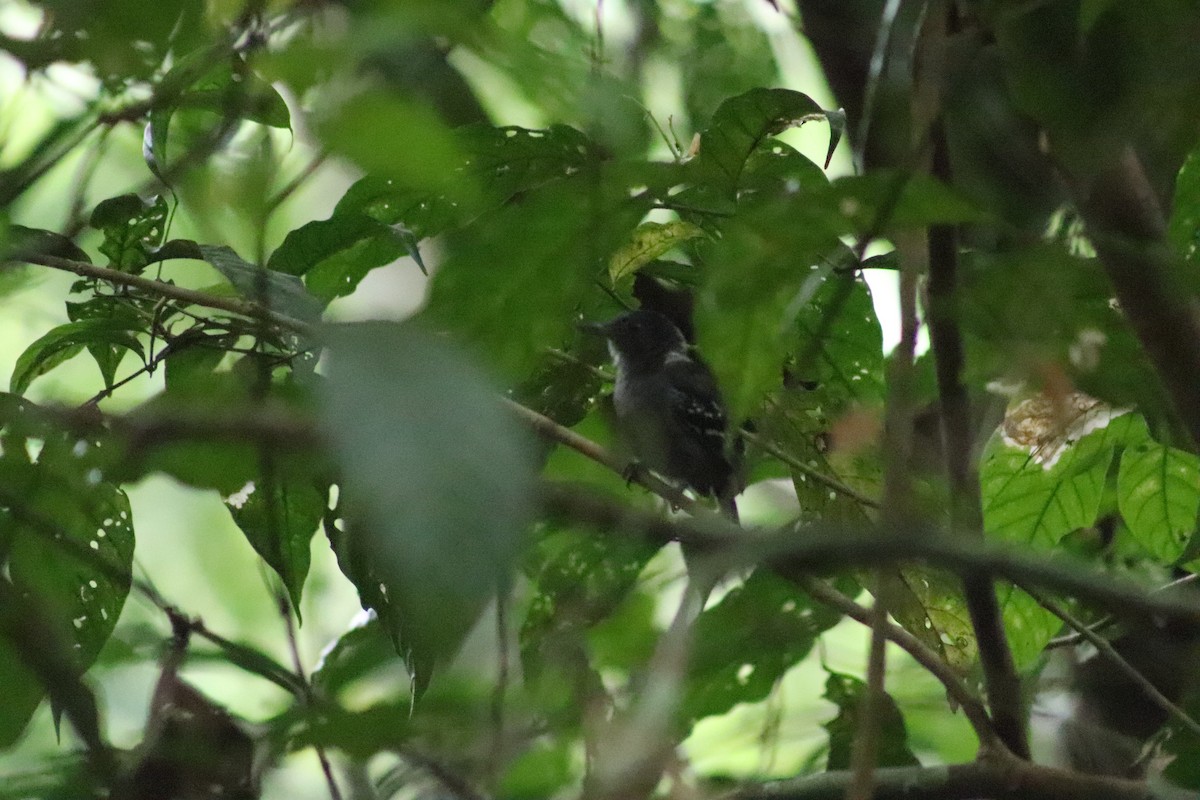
x=998, y=777
x=820, y=548
x=1127, y=228
x=966, y=509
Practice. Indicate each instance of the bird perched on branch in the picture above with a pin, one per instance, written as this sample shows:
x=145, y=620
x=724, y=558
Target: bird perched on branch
x=669, y=410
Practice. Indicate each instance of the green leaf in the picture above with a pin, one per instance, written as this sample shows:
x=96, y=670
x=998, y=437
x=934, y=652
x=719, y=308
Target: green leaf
x=382, y=218
x=193, y=358
x=131, y=227
x=226, y=463
x=1029, y=504
x=580, y=581
x=358, y=652
x=392, y=137
x=901, y=200
x=848, y=693
x=279, y=520
x=929, y=604
x=66, y=341
x=68, y=536
x=1184, y=228
x=438, y=485
x=275, y=290
x=334, y=255
x=649, y=241
x=746, y=642
x=737, y=129
x=107, y=356
x=1090, y=12
x=511, y=283
x=541, y=771
x=1158, y=493
x=21, y=239
x=23, y=697
x=837, y=129
x=207, y=97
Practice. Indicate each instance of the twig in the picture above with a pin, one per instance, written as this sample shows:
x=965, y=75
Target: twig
x=289, y=621
x=550, y=429
x=310, y=169
x=799, y=466
x=1070, y=639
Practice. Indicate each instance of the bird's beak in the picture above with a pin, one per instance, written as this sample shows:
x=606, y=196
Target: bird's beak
x=594, y=328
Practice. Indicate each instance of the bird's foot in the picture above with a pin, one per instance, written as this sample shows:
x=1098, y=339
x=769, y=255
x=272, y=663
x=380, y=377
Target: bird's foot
x=634, y=472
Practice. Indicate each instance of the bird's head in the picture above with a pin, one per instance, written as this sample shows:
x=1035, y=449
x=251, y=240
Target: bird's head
x=640, y=339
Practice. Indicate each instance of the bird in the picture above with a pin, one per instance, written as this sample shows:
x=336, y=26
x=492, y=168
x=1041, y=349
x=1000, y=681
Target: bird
x=669, y=410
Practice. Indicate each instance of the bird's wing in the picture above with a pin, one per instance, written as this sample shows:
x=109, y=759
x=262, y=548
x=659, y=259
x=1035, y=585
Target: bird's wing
x=696, y=401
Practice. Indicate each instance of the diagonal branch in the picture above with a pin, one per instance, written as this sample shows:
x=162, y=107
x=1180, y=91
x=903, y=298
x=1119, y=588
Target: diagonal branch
x=1126, y=225
x=1107, y=651
x=972, y=708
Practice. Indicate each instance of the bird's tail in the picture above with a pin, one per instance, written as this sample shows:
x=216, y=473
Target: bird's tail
x=728, y=505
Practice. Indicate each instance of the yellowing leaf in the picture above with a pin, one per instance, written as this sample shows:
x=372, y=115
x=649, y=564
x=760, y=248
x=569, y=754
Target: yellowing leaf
x=650, y=240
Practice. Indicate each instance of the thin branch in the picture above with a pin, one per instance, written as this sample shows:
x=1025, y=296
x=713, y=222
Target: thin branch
x=1106, y=650
x=289, y=622
x=548, y=428
x=243, y=308
x=799, y=466
x=865, y=749
x=971, y=705
x=1071, y=639
x=310, y=169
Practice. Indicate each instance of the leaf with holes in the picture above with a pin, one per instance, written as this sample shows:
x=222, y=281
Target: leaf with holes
x=66, y=341
x=649, y=241
x=738, y=127
x=67, y=532
x=279, y=516
x=438, y=479
x=746, y=642
x=132, y=227
x=579, y=580
x=1158, y=493
x=1031, y=504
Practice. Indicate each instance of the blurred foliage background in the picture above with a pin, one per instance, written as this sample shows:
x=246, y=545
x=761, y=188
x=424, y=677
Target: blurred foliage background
x=305, y=247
